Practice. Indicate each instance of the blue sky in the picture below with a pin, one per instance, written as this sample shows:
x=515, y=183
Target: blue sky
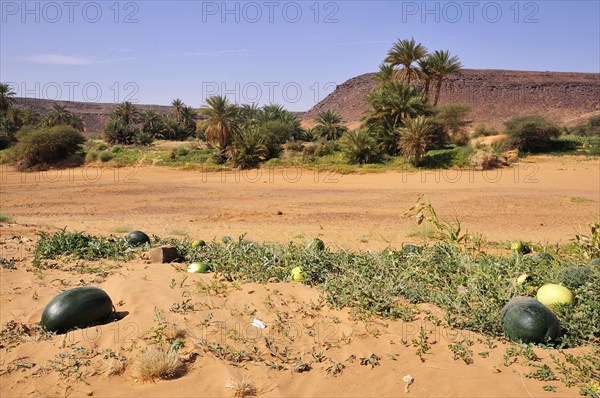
x=292, y=53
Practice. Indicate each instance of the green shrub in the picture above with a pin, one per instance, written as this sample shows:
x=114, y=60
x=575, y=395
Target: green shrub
x=91, y=157
x=105, y=156
x=275, y=133
x=327, y=148
x=293, y=145
x=591, y=128
x=201, y=131
x=446, y=158
x=118, y=132
x=6, y=219
x=45, y=146
x=143, y=138
x=454, y=121
x=117, y=149
x=181, y=151
x=178, y=152
x=217, y=157
x=359, y=146
x=531, y=133
x=5, y=140
x=481, y=130
x=319, y=149
x=248, y=148
x=101, y=147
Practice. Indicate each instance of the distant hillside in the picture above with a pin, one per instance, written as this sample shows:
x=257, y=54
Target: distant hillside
x=94, y=115
x=494, y=95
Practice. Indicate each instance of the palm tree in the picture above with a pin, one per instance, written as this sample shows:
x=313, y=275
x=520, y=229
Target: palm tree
x=293, y=123
x=405, y=53
x=249, y=148
x=58, y=114
x=76, y=122
x=127, y=112
x=7, y=128
x=220, y=121
x=415, y=135
x=426, y=74
x=151, y=122
x=329, y=125
x=272, y=112
x=6, y=97
x=178, y=105
x=359, y=146
x=172, y=128
x=441, y=64
x=386, y=73
x=249, y=115
x=15, y=115
x=391, y=102
x=187, y=117
x=30, y=116
x=118, y=132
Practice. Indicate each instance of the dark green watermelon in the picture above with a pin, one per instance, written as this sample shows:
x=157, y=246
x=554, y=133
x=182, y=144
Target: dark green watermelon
x=316, y=244
x=410, y=248
x=79, y=307
x=542, y=257
x=136, y=238
x=574, y=277
x=527, y=320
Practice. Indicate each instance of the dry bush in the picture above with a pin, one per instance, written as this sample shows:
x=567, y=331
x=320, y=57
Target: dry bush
x=159, y=363
x=308, y=152
x=115, y=367
x=460, y=138
x=484, y=160
x=242, y=388
x=173, y=332
x=296, y=146
x=495, y=141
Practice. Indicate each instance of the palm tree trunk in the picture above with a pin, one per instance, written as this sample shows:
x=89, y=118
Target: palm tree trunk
x=438, y=89
x=427, y=85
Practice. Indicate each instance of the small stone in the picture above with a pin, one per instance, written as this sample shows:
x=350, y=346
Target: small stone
x=279, y=213
x=163, y=254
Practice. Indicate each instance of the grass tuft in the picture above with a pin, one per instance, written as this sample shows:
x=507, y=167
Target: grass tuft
x=157, y=363
x=6, y=219
x=242, y=388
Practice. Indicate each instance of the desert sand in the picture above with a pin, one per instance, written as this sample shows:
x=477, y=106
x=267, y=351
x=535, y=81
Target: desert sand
x=545, y=201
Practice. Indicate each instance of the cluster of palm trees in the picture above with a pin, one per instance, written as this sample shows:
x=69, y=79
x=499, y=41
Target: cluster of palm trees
x=247, y=134
x=14, y=117
x=127, y=125
x=416, y=64
x=402, y=119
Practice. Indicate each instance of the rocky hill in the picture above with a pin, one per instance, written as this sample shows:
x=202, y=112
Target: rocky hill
x=494, y=95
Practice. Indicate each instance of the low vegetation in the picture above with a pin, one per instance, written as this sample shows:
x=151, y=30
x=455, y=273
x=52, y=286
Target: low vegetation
x=42, y=147
x=454, y=271
x=455, y=274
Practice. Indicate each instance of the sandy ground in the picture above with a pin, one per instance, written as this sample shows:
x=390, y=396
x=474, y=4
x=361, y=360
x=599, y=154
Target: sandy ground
x=547, y=201
x=543, y=202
